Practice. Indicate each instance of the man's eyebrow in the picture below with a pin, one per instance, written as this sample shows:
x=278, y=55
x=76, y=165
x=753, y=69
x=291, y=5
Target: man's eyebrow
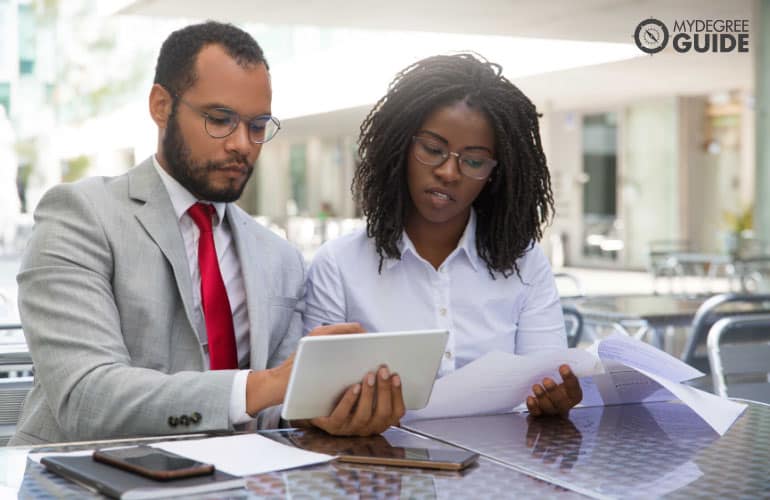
x=222, y=107
x=218, y=105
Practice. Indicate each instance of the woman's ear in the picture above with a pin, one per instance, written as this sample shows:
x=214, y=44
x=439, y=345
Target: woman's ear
x=160, y=105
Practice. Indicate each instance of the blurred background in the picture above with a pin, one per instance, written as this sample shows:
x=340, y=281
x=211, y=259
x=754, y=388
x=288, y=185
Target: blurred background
x=652, y=157
x=660, y=163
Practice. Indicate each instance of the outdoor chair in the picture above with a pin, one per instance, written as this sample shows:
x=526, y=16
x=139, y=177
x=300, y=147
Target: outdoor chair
x=740, y=363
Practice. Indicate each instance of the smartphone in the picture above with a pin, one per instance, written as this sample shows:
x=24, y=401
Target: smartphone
x=377, y=450
x=411, y=457
x=153, y=462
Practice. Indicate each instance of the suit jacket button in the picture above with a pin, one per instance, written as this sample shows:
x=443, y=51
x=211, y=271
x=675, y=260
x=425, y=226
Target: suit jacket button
x=195, y=417
x=184, y=420
x=173, y=421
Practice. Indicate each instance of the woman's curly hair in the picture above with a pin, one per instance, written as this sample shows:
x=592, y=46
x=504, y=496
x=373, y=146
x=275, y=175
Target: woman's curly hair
x=511, y=208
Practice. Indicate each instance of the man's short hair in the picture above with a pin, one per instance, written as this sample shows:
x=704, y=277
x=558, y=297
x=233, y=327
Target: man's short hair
x=175, y=70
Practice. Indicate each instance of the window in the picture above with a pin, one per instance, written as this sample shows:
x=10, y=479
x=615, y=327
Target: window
x=600, y=158
x=298, y=174
x=5, y=97
x=27, y=40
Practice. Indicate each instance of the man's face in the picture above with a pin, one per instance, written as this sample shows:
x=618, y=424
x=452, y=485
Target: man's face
x=216, y=169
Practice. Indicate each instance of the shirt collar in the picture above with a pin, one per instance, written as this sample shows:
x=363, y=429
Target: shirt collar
x=181, y=198
x=466, y=244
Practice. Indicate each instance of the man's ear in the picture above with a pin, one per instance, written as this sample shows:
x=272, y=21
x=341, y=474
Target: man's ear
x=160, y=105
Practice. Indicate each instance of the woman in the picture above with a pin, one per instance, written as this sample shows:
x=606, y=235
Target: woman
x=455, y=188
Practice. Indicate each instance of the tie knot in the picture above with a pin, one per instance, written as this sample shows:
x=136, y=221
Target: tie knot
x=201, y=214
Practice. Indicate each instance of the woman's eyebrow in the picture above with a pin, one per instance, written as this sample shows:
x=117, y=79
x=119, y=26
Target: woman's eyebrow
x=482, y=148
x=435, y=135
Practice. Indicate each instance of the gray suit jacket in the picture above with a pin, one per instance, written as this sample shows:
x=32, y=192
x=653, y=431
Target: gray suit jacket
x=106, y=303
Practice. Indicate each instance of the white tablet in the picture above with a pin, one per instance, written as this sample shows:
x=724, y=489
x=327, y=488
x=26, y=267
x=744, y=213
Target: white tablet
x=325, y=366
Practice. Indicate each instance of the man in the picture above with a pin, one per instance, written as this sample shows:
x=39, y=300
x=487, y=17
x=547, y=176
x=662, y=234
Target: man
x=132, y=287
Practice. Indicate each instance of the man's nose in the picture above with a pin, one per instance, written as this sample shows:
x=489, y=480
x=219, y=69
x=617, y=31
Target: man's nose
x=239, y=141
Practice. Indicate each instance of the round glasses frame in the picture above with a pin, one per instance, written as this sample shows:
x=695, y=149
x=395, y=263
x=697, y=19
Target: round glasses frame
x=445, y=154
x=272, y=125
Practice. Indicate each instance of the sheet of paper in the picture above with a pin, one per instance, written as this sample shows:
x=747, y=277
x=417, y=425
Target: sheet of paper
x=239, y=455
x=718, y=412
x=244, y=454
x=642, y=356
x=499, y=381
x=621, y=385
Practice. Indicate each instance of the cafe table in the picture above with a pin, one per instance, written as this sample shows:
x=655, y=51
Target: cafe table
x=648, y=450
x=643, y=450
x=640, y=315
x=23, y=478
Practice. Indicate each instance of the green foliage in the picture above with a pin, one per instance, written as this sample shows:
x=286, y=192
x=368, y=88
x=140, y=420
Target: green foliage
x=740, y=221
x=76, y=168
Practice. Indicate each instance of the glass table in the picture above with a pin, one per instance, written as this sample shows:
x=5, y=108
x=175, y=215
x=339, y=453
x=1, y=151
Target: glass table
x=643, y=450
x=26, y=479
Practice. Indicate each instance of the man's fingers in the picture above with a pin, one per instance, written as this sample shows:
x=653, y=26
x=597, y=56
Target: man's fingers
x=344, y=408
x=571, y=384
x=335, y=423
x=339, y=328
x=363, y=411
x=399, y=407
x=382, y=408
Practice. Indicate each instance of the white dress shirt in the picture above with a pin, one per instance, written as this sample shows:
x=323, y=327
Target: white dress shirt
x=229, y=266
x=481, y=314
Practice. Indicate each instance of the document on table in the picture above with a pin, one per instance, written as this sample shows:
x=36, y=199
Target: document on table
x=244, y=454
x=616, y=370
x=239, y=455
x=499, y=381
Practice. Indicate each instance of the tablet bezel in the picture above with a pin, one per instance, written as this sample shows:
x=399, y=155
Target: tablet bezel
x=325, y=366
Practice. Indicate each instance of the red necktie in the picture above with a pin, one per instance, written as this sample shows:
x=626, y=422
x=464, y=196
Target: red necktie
x=216, y=306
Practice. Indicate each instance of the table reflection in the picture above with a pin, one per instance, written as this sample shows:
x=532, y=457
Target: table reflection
x=330, y=480
x=651, y=449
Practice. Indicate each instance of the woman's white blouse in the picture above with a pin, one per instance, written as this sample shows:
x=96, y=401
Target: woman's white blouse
x=482, y=314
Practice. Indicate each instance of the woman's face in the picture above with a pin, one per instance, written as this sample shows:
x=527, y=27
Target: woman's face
x=443, y=194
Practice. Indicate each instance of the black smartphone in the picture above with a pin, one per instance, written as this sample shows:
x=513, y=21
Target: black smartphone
x=377, y=450
x=153, y=462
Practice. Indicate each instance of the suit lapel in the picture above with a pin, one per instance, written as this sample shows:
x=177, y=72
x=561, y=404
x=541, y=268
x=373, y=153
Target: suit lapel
x=255, y=281
x=157, y=216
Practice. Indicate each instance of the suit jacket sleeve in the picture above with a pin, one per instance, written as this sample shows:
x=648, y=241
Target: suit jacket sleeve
x=270, y=418
x=73, y=328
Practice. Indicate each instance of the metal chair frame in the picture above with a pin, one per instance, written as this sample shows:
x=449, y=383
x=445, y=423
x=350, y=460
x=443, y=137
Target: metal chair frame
x=708, y=314
x=739, y=359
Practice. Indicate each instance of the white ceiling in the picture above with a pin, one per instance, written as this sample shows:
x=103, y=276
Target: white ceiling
x=589, y=87
x=594, y=20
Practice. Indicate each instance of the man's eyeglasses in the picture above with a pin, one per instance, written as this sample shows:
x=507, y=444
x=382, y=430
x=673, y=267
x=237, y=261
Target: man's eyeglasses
x=434, y=153
x=221, y=122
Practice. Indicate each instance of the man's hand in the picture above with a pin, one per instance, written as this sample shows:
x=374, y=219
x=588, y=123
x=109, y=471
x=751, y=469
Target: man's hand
x=555, y=399
x=266, y=388
x=367, y=408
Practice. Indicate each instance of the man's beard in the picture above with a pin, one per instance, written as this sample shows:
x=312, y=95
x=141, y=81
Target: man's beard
x=194, y=175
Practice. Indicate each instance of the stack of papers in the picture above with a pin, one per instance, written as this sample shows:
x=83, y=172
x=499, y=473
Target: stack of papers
x=616, y=370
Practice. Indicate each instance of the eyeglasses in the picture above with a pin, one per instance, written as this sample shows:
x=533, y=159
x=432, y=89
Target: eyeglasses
x=221, y=122
x=434, y=153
